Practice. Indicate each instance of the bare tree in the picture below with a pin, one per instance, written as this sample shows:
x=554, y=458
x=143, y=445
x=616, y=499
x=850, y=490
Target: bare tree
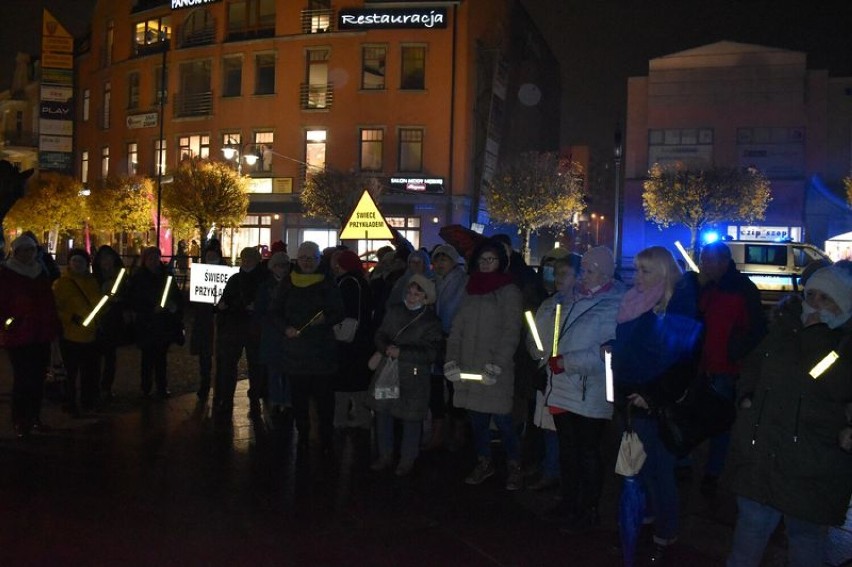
x=331, y=194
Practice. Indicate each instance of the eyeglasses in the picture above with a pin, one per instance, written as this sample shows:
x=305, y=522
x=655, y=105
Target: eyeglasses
x=488, y=259
x=307, y=258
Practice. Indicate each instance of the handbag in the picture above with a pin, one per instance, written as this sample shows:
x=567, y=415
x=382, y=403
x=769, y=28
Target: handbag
x=346, y=329
x=386, y=385
x=700, y=414
x=631, y=452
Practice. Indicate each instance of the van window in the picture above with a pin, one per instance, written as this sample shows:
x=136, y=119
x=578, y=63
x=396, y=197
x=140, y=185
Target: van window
x=804, y=255
x=766, y=254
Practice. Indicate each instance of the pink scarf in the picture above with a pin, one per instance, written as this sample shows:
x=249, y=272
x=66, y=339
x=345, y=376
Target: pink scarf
x=636, y=303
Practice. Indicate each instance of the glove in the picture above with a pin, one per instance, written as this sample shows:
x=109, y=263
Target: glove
x=556, y=364
x=492, y=371
x=451, y=371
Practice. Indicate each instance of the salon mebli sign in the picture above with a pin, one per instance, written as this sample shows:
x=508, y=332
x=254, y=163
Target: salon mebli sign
x=391, y=18
x=180, y=4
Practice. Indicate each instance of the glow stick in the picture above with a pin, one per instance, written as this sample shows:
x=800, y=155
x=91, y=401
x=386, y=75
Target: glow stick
x=686, y=256
x=166, y=292
x=534, y=330
x=117, y=282
x=94, y=312
x=306, y=325
x=556, y=321
x=610, y=388
x=468, y=376
x=823, y=365
x=9, y=322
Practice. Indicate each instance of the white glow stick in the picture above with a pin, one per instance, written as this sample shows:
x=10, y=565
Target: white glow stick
x=556, y=321
x=468, y=376
x=686, y=256
x=166, y=292
x=117, y=282
x=94, y=312
x=534, y=330
x=610, y=388
x=823, y=365
x=9, y=322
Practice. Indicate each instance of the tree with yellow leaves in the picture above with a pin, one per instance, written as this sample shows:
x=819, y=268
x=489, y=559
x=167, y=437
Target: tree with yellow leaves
x=847, y=182
x=536, y=190
x=674, y=194
x=204, y=194
x=121, y=204
x=52, y=202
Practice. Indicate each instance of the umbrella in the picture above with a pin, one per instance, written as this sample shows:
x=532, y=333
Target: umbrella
x=400, y=241
x=631, y=506
x=462, y=239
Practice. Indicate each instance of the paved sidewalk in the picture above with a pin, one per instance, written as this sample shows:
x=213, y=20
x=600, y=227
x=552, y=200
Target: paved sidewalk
x=147, y=482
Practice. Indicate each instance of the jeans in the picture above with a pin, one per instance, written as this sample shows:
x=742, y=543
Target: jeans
x=724, y=385
x=550, y=463
x=658, y=480
x=481, y=423
x=410, y=437
x=755, y=524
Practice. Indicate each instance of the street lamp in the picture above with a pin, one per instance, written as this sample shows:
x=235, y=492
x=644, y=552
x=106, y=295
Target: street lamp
x=238, y=152
x=618, y=148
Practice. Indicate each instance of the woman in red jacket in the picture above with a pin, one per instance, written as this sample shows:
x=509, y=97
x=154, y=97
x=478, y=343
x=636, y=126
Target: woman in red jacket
x=28, y=324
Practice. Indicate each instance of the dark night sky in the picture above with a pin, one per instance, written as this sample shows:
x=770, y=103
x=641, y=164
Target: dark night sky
x=599, y=42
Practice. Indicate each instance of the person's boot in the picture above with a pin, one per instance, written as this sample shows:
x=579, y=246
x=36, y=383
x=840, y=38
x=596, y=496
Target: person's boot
x=438, y=431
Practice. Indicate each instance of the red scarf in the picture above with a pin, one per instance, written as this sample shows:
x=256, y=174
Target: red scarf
x=481, y=283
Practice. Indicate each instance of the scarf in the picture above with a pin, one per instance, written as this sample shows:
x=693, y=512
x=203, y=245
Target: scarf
x=31, y=270
x=636, y=303
x=481, y=283
x=305, y=280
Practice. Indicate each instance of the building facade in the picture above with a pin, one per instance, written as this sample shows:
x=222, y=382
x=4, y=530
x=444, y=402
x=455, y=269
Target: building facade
x=425, y=96
x=738, y=105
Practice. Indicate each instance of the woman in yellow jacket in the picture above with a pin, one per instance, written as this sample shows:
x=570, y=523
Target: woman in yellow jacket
x=77, y=293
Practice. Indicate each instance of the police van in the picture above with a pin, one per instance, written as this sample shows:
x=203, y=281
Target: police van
x=774, y=267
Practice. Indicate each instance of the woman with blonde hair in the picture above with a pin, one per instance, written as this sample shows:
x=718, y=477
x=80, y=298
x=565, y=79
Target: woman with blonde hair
x=657, y=341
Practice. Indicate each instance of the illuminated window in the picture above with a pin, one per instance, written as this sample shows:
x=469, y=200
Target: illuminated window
x=132, y=158
x=84, y=166
x=317, y=71
x=160, y=156
x=104, y=161
x=263, y=147
x=315, y=147
x=413, y=76
x=373, y=59
x=151, y=36
x=372, y=149
x=193, y=146
x=411, y=149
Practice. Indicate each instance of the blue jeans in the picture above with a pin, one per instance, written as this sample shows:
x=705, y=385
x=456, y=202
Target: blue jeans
x=755, y=524
x=410, y=446
x=724, y=385
x=658, y=480
x=550, y=464
x=480, y=423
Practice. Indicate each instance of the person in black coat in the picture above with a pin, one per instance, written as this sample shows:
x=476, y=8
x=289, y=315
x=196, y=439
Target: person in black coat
x=238, y=331
x=305, y=312
x=158, y=324
x=203, y=331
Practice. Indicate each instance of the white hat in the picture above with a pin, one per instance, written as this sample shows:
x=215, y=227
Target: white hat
x=835, y=283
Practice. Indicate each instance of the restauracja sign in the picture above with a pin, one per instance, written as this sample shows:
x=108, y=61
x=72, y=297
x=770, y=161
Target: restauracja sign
x=392, y=18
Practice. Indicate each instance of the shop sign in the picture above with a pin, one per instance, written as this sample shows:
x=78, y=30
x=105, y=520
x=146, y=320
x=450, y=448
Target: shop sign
x=55, y=110
x=56, y=127
x=431, y=185
x=56, y=94
x=391, y=18
x=147, y=120
x=55, y=143
x=56, y=161
x=180, y=4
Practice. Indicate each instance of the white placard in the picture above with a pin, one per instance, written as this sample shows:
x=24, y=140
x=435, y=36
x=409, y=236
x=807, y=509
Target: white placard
x=207, y=282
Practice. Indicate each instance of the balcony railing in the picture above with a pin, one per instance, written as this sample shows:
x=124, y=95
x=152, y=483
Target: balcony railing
x=260, y=32
x=314, y=97
x=143, y=49
x=194, y=104
x=317, y=21
x=204, y=36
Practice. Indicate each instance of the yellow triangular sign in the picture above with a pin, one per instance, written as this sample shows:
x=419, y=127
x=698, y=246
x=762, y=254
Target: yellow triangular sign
x=366, y=222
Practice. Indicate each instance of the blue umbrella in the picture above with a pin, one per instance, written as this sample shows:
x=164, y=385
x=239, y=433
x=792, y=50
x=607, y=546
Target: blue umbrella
x=631, y=506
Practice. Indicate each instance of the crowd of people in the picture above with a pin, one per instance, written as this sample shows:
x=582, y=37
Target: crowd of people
x=432, y=333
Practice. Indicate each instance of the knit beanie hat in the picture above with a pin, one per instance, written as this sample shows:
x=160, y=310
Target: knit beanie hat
x=835, y=283
x=278, y=259
x=601, y=256
x=348, y=260
x=23, y=241
x=447, y=251
x=79, y=252
x=426, y=285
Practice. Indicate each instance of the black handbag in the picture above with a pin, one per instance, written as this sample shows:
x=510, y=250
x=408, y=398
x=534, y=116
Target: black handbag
x=700, y=414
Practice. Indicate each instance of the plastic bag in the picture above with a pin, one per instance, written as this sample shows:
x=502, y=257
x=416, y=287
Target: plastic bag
x=345, y=330
x=386, y=383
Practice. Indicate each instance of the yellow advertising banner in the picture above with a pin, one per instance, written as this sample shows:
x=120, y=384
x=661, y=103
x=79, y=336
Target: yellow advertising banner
x=57, y=60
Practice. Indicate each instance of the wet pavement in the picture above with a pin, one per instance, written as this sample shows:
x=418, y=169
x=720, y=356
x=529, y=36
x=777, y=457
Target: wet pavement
x=145, y=482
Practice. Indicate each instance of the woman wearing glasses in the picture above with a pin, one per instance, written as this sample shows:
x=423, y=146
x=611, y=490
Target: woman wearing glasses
x=480, y=352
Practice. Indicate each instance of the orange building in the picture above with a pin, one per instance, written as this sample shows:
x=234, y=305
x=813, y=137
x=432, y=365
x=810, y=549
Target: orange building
x=425, y=96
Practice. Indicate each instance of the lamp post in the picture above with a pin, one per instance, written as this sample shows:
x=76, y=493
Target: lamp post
x=161, y=154
x=618, y=148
